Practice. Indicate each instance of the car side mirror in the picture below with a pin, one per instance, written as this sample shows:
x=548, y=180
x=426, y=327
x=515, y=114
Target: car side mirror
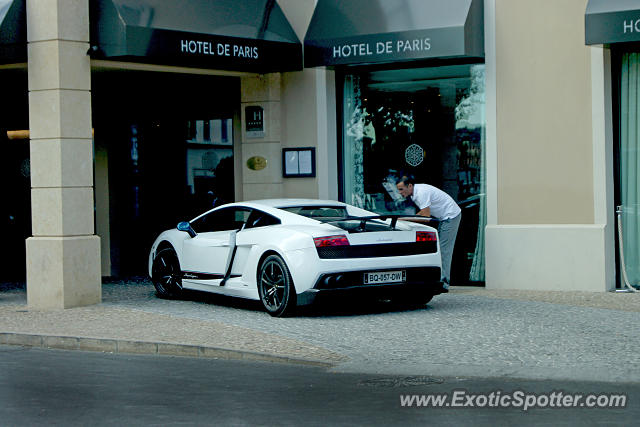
x=185, y=226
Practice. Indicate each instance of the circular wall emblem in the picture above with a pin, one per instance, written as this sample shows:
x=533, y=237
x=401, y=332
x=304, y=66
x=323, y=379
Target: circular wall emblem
x=257, y=163
x=414, y=155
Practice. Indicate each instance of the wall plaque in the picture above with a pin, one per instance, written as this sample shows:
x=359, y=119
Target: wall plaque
x=254, y=117
x=256, y=163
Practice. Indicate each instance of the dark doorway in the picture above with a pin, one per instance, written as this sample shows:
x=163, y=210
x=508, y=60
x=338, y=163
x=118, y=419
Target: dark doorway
x=169, y=140
x=15, y=181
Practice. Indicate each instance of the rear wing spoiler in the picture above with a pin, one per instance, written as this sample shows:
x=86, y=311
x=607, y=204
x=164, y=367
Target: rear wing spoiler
x=393, y=217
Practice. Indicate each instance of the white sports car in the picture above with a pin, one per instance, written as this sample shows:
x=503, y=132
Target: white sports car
x=285, y=252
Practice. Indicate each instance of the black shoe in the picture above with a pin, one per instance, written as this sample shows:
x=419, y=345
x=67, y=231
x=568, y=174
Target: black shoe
x=441, y=290
x=445, y=286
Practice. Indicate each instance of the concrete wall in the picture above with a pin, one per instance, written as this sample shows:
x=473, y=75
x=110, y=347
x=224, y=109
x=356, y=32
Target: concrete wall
x=300, y=118
x=549, y=226
x=309, y=120
x=299, y=112
x=544, y=113
x=309, y=114
x=262, y=91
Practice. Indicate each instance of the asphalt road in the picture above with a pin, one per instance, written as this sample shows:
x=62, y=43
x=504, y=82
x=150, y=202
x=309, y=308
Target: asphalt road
x=70, y=388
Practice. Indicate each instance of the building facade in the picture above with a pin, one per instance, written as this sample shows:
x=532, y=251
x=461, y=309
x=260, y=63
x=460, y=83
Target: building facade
x=123, y=117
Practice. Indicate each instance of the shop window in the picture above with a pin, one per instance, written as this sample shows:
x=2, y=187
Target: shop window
x=425, y=122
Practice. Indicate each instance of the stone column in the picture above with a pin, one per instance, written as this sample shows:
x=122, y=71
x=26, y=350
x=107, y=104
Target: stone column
x=262, y=91
x=63, y=256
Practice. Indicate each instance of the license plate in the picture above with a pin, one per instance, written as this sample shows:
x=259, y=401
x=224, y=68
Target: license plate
x=385, y=277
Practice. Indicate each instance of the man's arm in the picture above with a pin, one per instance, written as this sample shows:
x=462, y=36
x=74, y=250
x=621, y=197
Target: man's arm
x=424, y=212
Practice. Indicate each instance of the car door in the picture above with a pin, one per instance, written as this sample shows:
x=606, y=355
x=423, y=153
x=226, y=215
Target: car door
x=206, y=255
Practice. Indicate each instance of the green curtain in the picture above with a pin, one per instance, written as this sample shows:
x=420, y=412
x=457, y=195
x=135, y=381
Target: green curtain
x=630, y=163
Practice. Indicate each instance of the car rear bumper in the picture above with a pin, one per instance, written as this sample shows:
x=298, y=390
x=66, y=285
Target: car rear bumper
x=307, y=270
x=351, y=284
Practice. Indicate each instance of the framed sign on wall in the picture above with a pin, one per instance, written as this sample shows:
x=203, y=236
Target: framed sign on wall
x=299, y=162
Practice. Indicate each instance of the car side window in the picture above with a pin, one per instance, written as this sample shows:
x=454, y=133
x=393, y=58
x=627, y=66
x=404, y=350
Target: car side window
x=221, y=220
x=261, y=219
x=240, y=218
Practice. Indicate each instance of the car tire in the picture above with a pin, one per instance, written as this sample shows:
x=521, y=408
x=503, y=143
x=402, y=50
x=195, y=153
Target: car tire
x=275, y=286
x=414, y=299
x=166, y=274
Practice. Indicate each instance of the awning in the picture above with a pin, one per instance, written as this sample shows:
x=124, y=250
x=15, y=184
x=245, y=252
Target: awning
x=612, y=21
x=13, y=32
x=248, y=35
x=378, y=31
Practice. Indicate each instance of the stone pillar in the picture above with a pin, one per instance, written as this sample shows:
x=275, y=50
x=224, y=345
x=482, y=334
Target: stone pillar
x=262, y=91
x=63, y=256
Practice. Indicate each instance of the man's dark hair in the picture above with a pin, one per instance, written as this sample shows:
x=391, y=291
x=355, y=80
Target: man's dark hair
x=406, y=180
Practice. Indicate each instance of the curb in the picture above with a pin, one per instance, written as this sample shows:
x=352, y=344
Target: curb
x=117, y=346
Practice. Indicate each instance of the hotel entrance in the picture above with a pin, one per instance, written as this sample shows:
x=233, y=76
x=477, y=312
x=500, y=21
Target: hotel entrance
x=168, y=142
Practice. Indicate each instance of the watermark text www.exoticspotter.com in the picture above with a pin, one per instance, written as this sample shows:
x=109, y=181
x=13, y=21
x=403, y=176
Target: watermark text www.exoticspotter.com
x=516, y=399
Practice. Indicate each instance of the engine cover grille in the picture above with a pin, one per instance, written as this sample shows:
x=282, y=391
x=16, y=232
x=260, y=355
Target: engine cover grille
x=377, y=250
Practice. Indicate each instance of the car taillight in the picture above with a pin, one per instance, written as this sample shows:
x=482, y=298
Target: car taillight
x=331, y=241
x=426, y=236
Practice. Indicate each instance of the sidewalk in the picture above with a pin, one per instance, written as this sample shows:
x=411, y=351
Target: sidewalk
x=109, y=328
x=608, y=300
x=469, y=331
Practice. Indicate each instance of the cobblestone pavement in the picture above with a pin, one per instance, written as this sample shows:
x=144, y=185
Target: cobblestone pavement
x=468, y=332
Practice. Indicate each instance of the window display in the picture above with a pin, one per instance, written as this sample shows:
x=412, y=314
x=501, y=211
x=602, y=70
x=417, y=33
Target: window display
x=425, y=122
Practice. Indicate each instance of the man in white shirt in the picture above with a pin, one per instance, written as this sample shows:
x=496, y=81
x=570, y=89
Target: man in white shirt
x=435, y=203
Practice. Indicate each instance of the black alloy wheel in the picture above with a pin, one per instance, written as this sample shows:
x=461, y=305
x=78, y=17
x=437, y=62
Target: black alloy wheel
x=275, y=287
x=166, y=275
